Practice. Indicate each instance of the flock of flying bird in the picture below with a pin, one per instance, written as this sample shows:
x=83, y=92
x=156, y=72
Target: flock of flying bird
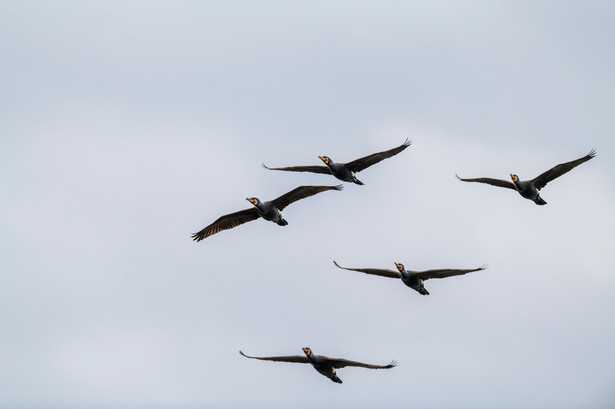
x=272, y=210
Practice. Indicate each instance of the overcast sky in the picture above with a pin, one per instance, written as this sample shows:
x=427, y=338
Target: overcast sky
x=127, y=126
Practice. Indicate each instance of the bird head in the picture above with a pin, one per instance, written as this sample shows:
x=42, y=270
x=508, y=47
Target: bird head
x=325, y=159
x=253, y=200
x=307, y=351
x=514, y=178
x=400, y=267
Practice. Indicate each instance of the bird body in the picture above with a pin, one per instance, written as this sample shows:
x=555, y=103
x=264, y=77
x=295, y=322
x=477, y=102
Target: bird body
x=269, y=210
x=340, y=171
x=530, y=189
x=323, y=364
x=346, y=171
x=413, y=279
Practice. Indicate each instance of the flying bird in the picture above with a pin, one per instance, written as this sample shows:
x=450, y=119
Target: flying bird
x=413, y=279
x=323, y=364
x=346, y=171
x=270, y=210
x=530, y=189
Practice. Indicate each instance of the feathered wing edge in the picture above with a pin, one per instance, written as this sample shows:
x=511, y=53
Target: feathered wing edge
x=298, y=359
x=373, y=271
x=541, y=180
x=342, y=363
x=490, y=181
x=358, y=165
x=301, y=192
x=226, y=222
x=313, y=169
x=447, y=272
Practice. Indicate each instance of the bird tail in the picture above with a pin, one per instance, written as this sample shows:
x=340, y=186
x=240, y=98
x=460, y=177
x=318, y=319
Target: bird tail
x=424, y=291
x=334, y=378
x=358, y=182
x=282, y=222
x=539, y=201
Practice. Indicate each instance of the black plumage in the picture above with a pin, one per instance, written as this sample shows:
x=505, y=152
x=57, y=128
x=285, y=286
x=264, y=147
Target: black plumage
x=270, y=210
x=346, y=171
x=530, y=189
x=413, y=279
x=323, y=364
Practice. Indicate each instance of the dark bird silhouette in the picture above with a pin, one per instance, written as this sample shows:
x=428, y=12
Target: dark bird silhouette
x=530, y=189
x=413, y=279
x=346, y=171
x=323, y=364
x=270, y=210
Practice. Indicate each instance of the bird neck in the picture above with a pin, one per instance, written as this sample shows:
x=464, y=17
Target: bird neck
x=332, y=165
x=518, y=185
x=312, y=358
x=260, y=206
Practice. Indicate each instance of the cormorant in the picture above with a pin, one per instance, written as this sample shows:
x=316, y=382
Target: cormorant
x=323, y=364
x=530, y=189
x=270, y=210
x=346, y=171
x=413, y=279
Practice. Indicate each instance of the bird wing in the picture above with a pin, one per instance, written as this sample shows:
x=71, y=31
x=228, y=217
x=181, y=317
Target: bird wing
x=301, y=193
x=313, y=169
x=490, y=181
x=373, y=271
x=358, y=165
x=558, y=170
x=446, y=272
x=342, y=363
x=227, y=222
x=291, y=358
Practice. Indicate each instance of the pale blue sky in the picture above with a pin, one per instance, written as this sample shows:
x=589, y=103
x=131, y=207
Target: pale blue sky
x=127, y=126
